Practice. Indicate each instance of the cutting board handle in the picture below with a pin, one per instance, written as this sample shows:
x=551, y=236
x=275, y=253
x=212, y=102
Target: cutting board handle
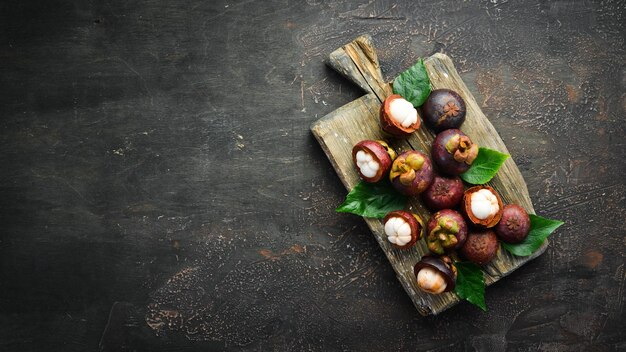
x=358, y=62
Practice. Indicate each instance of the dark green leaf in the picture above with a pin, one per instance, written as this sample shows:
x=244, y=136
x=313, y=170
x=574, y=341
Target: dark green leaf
x=372, y=200
x=485, y=166
x=540, y=229
x=470, y=284
x=413, y=84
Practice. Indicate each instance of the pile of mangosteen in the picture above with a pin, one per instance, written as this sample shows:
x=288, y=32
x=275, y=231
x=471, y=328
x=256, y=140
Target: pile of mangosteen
x=465, y=223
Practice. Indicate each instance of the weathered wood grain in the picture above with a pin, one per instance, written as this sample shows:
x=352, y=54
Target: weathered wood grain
x=340, y=130
x=162, y=191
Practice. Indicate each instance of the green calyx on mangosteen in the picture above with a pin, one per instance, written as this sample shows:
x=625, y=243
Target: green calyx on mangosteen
x=453, y=152
x=411, y=173
x=446, y=231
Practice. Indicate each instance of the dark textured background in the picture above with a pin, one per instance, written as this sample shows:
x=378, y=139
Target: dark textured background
x=160, y=189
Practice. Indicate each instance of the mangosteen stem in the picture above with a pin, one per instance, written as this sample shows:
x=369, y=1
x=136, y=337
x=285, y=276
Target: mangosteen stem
x=406, y=169
x=462, y=149
x=453, y=144
x=407, y=177
x=466, y=151
x=415, y=162
x=443, y=236
x=434, y=245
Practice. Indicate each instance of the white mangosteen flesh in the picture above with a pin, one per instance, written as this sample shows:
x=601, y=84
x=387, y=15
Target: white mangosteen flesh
x=403, y=112
x=398, y=231
x=366, y=164
x=431, y=281
x=484, y=204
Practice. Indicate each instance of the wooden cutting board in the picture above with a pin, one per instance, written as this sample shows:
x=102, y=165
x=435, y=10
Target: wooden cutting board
x=340, y=130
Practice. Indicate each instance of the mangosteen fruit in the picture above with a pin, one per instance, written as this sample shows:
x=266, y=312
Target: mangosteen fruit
x=453, y=152
x=514, y=224
x=403, y=228
x=443, y=193
x=481, y=246
x=444, y=109
x=446, y=231
x=435, y=274
x=372, y=159
x=398, y=117
x=411, y=173
x=483, y=206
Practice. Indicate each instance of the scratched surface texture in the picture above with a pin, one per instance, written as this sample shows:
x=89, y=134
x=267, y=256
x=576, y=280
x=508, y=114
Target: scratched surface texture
x=160, y=189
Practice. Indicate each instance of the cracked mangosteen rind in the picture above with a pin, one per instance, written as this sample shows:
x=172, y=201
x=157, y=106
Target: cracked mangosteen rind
x=514, y=225
x=382, y=155
x=445, y=192
x=390, y=125
x=411, y=173
x=453, y=152
x=446, y=231
x=442, y=265
x=481, y=246
x=466, y=206
x=415, y=223
x=444, y=109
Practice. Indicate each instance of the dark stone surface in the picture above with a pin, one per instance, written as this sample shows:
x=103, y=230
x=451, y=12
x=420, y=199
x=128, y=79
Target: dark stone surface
x=160, y=189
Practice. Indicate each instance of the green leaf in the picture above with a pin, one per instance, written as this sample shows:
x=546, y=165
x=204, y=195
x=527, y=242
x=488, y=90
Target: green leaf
x=413, y=84
x=470, y=284
x=540, y=229
x=485, y=166
x=372, y=200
